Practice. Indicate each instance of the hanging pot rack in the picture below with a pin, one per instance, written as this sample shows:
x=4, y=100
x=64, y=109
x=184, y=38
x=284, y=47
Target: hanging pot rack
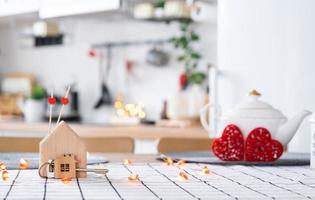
x=109, y=45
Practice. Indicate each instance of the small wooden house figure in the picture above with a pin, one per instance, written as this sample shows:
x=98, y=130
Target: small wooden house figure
x=60, y=142
x=65, y=166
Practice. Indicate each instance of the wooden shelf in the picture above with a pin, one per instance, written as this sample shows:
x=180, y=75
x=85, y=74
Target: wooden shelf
x=167, y=19
x=103, y=131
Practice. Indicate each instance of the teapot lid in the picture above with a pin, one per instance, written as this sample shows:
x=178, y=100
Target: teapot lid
x=252, y=107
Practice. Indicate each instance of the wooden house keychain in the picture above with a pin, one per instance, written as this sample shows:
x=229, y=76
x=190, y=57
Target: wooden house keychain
x=62, y=152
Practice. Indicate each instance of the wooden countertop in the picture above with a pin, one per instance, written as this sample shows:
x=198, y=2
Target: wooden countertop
x=97, y=131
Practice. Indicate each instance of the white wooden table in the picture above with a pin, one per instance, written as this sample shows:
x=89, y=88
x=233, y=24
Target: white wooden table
x=158, y=181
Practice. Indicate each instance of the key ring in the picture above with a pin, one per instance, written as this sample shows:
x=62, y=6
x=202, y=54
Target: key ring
x=42, y=166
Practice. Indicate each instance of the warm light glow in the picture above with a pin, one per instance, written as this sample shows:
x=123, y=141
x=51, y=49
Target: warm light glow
x=168, y=161
x=205, y=170
x=23, y=164
x=121, y=112
x=129, y=110
x=5, y=175
x=141, y=115
x=133, y=177
x=138, y=108
x=133, y=113
x=2, y=166
x=183, y=176
x=181, y=163
x=66, y=180
x=118, y=105
x=127, y=162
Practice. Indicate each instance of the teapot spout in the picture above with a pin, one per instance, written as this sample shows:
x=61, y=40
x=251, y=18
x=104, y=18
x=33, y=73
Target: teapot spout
x=287, y=131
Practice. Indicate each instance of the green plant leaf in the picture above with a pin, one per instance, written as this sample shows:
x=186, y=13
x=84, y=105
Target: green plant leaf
x=175, y=42
x=181, y=58
x=194, y=36
x=159, y=3
x=195, y=55
x=184, y=26
x=189, y=56
x=183, y=42
x=197, y=77
x=38, y=92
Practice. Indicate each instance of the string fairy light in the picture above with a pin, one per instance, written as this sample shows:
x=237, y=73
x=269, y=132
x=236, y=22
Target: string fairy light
x=23, y=164
x=2, y=166
x=127, y=162
x=5, y=175
x=183, y=176
x=205, y=170
x=133, y=177
x=66, y=180
x=168, y=161
x=181, y=163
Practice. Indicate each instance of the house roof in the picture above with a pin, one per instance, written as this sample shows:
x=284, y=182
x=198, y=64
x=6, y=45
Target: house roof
x=63, y=135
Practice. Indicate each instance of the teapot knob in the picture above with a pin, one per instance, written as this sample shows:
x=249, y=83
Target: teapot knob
x=254, y=93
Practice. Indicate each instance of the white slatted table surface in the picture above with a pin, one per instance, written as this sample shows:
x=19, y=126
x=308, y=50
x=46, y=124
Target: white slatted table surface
x=158, y=181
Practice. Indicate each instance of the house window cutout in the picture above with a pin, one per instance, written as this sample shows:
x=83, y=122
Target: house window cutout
x=64, y=167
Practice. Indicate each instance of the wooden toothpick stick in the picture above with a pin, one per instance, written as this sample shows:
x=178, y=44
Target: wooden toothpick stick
x=51, y=102
x=64, y=101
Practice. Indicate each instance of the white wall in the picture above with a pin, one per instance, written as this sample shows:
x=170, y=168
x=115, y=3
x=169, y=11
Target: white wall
x=269, y=45
x=56, y=66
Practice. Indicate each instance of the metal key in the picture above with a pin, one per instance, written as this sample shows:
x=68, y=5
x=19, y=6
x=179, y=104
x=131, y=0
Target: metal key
x=97, y=171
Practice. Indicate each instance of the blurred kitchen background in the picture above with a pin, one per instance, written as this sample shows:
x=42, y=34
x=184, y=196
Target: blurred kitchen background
x=127, y=61
x=127, y=71
x=144, y=68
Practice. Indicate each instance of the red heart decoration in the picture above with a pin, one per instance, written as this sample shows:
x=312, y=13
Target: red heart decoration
x=230, y=146
x=259, y=146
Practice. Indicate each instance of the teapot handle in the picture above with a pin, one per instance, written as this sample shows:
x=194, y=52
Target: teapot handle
x=203, y=119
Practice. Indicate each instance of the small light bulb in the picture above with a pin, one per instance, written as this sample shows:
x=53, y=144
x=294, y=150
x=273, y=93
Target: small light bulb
x=168, y=161
x=205, y=170
x=66, y=180
x=23, y=164
x=183, y=176
x=127, y=162
x=133, y=177
x=5, y=175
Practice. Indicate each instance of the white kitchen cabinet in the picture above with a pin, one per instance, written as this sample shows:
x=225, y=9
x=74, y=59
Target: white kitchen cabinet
x=58, y=8
x=15, y=7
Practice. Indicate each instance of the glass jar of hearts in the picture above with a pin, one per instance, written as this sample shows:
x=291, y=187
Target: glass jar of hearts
x=252, y=131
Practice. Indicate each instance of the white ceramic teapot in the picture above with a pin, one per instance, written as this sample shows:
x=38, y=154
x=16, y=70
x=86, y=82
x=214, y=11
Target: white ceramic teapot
x=254, y=113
